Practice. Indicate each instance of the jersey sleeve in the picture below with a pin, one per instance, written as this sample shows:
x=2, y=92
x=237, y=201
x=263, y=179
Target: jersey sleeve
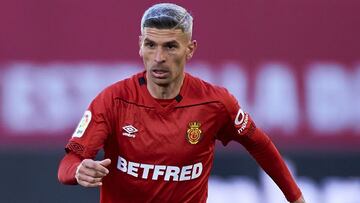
x=93, y=128
x=67, y=169
x=237, y=123
x=239, y=126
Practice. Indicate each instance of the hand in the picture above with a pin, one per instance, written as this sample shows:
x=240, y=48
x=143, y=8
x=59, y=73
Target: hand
x=89, y=173
x=300, y=200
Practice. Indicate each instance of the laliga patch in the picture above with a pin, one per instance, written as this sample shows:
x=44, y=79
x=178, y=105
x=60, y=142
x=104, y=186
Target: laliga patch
x=193, y=134
x=241, y=122
x=84, y=122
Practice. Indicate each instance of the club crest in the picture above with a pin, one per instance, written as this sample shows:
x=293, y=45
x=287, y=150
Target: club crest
x=193, y=134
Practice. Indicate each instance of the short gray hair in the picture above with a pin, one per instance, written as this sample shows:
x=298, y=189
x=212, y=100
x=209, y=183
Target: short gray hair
x=167, y=16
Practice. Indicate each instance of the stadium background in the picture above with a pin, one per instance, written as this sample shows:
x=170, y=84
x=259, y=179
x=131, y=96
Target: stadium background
x=293, y=65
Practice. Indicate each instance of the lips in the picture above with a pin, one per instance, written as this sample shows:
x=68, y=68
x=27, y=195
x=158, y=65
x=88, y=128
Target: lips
x=160, y=73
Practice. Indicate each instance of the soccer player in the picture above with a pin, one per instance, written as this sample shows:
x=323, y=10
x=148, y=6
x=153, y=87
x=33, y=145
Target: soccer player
x=158, y=128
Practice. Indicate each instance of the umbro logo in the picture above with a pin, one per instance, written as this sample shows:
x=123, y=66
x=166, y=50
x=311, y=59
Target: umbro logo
x=129, y=131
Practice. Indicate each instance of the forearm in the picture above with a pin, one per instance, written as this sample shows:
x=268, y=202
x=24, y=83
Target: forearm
x=269, y=158
x=67, y=169
x=272, y=163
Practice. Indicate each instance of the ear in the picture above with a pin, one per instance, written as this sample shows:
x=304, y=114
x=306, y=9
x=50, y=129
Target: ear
x=140, y=45
x=191, y=49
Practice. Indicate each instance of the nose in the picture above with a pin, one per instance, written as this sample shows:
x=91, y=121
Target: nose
x=159, y=56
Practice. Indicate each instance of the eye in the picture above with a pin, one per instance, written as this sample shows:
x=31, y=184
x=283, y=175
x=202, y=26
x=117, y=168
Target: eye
x=171, y=46
x=149, y=44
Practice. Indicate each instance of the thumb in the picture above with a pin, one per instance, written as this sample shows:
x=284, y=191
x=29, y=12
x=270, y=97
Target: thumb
x=105, y=162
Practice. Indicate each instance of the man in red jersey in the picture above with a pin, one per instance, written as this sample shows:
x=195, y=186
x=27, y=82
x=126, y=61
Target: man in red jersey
x=158, y=128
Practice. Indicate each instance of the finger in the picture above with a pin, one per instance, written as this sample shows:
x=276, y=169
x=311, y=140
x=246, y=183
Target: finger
x=88, y=179
x=87, y=184
x=96, y=166
x=92, y=172
x=82, y=169
x=105, y=162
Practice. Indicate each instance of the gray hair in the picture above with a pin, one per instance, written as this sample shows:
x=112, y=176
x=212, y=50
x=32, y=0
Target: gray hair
x=167, y=16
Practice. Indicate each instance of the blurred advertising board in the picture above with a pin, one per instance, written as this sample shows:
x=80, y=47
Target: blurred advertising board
x=293, y=65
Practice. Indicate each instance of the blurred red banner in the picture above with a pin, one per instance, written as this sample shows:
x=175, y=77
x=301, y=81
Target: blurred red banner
x=293, y=65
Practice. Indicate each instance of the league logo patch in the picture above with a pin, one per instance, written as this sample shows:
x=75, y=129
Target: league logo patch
x=83, y=124
x=193, y=134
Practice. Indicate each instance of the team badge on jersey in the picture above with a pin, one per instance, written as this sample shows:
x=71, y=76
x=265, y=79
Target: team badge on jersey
x=83, y=124
x=193, y=134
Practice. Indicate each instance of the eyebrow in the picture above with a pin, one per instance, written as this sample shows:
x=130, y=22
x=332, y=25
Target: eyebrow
x=169, y=42
x=172, y=42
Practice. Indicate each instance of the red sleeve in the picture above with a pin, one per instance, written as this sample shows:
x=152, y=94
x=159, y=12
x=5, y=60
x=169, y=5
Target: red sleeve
x=93, y=129
x=239, y=126
x=67, y=169
x=268, y=157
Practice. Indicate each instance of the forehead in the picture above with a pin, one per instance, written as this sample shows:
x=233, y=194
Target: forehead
x=164, y=35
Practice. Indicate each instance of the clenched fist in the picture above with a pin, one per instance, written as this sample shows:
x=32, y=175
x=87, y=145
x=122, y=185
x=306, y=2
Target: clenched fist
x=90, y=173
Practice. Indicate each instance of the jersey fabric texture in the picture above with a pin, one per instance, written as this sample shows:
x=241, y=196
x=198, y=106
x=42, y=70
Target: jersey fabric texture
x=164, y=153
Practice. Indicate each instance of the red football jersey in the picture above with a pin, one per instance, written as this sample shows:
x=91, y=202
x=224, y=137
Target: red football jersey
x=158, y=154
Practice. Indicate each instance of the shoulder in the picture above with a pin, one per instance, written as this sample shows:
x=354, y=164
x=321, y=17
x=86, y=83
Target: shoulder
x=126, y=88
x=210, y=92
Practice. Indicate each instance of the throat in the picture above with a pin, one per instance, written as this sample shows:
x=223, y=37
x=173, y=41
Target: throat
x=169, y=91
x=163, y=92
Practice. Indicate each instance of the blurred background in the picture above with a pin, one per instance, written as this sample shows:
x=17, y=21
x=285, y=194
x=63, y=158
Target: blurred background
x=293, y=65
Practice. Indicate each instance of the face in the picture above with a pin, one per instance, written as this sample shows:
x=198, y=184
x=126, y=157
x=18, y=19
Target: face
x=165, y=53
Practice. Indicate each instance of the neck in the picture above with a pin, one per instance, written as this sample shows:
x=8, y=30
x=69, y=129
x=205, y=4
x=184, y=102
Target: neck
x=168, y=91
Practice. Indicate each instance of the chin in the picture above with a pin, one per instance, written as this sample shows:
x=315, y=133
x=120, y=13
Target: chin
x=161, y=82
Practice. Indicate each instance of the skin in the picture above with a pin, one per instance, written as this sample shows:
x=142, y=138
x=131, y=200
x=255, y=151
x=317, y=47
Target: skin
x=300, y=200
x=90, y=173
x=164, y=53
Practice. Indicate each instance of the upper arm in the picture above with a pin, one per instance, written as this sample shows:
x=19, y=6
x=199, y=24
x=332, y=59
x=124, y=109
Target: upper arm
x=237, y=124
x=93, y=129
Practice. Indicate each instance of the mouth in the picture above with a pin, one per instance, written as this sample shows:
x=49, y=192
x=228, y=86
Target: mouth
x=160, y=73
